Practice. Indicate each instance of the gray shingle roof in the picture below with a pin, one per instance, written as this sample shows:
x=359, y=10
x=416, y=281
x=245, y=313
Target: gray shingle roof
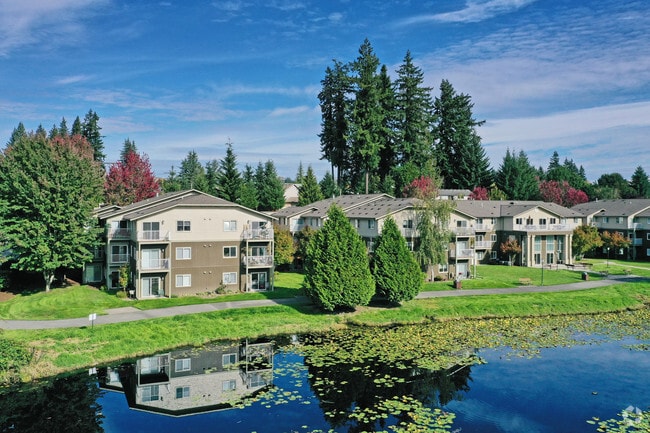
x=509, y=208
x=613, y=208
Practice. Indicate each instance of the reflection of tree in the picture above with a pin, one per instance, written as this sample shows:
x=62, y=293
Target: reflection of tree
x=342, y=387
x=65, y=404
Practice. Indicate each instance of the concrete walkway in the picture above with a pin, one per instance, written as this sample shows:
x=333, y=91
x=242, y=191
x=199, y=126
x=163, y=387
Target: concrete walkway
x=130, y=314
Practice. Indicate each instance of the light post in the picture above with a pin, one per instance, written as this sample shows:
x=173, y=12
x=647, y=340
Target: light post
x=607, y=261
x=559, y=251
x=542, y=272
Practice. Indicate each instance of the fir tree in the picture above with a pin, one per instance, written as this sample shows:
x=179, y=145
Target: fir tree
x=309, y=191
x=18, y=133
x=397, y=275
x=328, y=186
x=248, y=190
x=127, y=146
x=640, y=184
x=192, y=173
x=337, y=272
x=91, y=130
x=517, y=178
x=229, y=179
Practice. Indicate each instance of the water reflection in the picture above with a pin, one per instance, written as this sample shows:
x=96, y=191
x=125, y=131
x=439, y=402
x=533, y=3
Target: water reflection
x=193, y=380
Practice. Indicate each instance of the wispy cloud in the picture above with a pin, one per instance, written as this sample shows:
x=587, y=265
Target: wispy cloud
x=474, y=11
x=72, y=79
x=35, y=22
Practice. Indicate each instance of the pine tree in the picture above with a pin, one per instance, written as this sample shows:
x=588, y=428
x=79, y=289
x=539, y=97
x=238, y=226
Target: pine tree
x=91, y=130
x=18, y=133
x=172, y=183
x=337, y=272
x=300, y=174
x=334, y=125
x=388, y=135
x=128, y=146
x=77, y=128
x=269, y=187
x=517, y=178
x=398, y=277
x=248, y=190
x=48, y=189
x=328, y=186
x=211, y=177
x=366, y=122
x=309, y=191
x=63, y=128
x=229, y=179
x=460, y=157
x=640, y=184
x=192, y=173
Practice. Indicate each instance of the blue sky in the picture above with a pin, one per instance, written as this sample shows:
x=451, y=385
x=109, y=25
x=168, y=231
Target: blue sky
x=176, y=76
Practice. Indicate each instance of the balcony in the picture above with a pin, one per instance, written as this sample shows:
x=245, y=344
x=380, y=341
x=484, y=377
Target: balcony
x=484, y=227
x=119, y=258
x=543, y=228
x=258, y=261
x=461, y=253
x=463, y=231
x=258, y=234
x=153, y=265
x=153, y=236
x=483, y=245
x=118, y=233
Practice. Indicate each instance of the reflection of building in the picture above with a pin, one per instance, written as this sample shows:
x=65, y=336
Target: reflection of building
x=194, y=380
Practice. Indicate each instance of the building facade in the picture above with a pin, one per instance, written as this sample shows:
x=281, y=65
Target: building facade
x=183, y=243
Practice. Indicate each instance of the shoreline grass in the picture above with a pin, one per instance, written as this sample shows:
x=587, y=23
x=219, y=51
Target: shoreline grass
x=61, y=350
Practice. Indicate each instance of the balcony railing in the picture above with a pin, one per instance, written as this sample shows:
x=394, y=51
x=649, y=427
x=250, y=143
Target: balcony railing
x=153, y=236
x=119, y=258
x=461, y=253
x=483, y=244
x=153, y=265
x=261, y=234
x=118, y=233
x=262, y=261
x=543, y=227
x=463, y=231
x=484, y=227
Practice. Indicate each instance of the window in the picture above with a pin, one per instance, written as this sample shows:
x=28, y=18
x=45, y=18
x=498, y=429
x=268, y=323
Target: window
x=552, y=221
x=493, y=255
x=230, y=277
x=606, y=219
x=442, y=268
x=183, y=253
x=228, y=360
x=182, y=392
x=529, y=221
x=619, y=220
x=542, y=221
x=371, y=224
x=461, y=223
x=519, y=221
x=409, y=245
x=407, y=224
x=184, y=280
x=480, y=255
x=493, y=237
x=648, y=236
x=151, y=230
x=229, y=385
x=184, y=364
x=93, y=273
x=230, y=251
x=119, y=254
x=479, y=221
x=150, y=393
x=355, y=223
x=230, y=226
x=183, y=226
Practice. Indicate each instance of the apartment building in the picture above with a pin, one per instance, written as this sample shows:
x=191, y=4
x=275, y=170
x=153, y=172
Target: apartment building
x=629, y=217
x=183, y=243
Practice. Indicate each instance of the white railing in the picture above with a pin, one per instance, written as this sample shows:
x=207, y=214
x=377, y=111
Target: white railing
x=152, y=235
x=484, y=227
x=461, y=253
x=263, y=234
x=484, y=244
x=463, y=231
x=544, y=227
x=114, y=233
x=153, y=264
x=119, y=258
x=258, y=260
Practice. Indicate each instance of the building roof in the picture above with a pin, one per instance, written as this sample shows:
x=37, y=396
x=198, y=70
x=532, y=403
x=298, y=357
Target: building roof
x=510, y=208
x=381, y=208
x=186, y=198
x=320, y=208
x=613, y=208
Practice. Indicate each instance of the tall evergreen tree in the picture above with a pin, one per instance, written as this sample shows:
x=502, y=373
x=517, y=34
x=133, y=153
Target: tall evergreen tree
x=617, y=184
x=516, y=178
x=328, y=186
x=229, y=179
x=18, y=133
x=337, y=272
x=192, y=173
x=248, y=196
x=640, y=184
x=77, y=128
x=172, y=183
x=388, y=135
x=309, y=190
x=211, y=175
x=334, y=104
x=91, y=130
x=269, y=186
x=127, y=147
x=460, y=157
x=397, y=275
x=63, y=128
x=300, y=174
x=48, y=189
x=367, y=119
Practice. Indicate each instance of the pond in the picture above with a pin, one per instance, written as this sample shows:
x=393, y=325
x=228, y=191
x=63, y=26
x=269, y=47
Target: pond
x=348, y=381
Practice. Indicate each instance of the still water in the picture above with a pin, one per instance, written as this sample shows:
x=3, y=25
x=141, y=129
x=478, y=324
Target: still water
x=273, y=386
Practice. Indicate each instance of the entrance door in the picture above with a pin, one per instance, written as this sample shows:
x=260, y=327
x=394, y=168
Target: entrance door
x=259, y=281
x=151, y=287
x=461, y=269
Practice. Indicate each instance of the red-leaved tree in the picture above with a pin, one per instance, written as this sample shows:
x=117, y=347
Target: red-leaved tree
x=423, y=188
x=479, y=193
x=561, y=193
x=130, y=180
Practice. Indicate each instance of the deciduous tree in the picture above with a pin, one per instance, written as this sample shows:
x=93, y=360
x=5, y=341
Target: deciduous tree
x=337, y=271
x=48, y=190
x=585, y=239
x=284, y=247
x=397, y=275
x=511, y=248
x=131, y=180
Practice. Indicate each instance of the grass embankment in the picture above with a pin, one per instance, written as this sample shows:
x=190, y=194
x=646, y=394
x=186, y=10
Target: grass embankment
x=66, y=349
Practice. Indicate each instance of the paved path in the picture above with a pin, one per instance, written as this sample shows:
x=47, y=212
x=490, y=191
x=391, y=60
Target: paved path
x=130, y=314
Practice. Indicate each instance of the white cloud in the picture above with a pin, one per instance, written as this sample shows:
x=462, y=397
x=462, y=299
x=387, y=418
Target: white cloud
x=474, y=11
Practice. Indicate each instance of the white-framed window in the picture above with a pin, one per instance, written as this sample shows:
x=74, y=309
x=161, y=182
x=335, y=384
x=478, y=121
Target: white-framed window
x=93, y=273
x=542, y=221
x=442, y=268
x=184, y=280
x=529, y=221
x=183, y=226
x=619, y=220
x=183, y=253
x=409, y=245
x=230, y=278
x=407, y=224
x=182, y=392
x=229, y=385
x=647, y=252
x=230, y=226
x=230, y=252
x=355, y=223
x=480, y=255
x=228, y=360
x=648, y=236
x=493, y=255
x=184, y=364
x=519, y=221
x=371, y=224
x=606, y=219
x=552, y=221
x=150, y=393
x=119, y=253
x=493, y=237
